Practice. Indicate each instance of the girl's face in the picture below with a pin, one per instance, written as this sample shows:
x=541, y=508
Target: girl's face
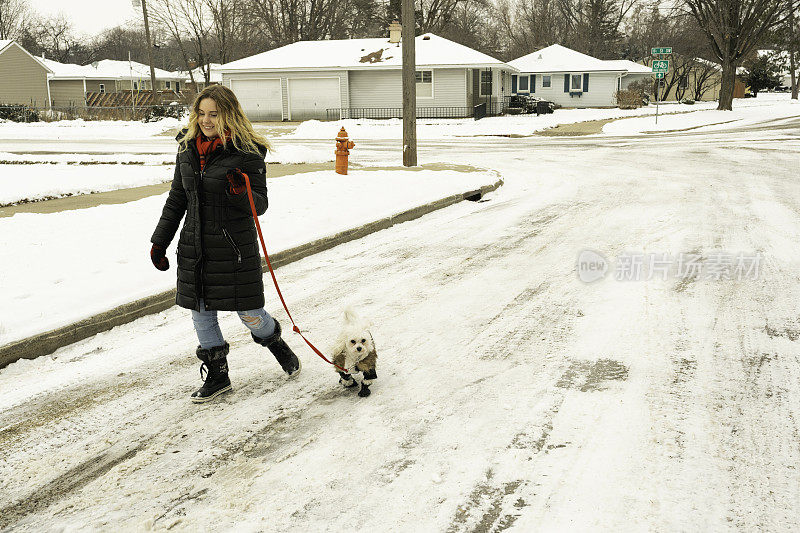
x=207, y=117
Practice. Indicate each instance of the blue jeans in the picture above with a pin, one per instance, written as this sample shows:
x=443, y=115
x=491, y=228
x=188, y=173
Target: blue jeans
x=207, y=326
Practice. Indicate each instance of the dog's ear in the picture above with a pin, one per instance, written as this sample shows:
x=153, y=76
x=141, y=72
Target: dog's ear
x=350, y=315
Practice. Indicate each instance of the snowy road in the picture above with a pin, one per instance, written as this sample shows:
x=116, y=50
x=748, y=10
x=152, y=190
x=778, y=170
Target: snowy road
x=510, y=395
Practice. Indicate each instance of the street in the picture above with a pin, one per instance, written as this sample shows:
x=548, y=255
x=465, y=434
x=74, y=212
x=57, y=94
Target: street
x=511, y=395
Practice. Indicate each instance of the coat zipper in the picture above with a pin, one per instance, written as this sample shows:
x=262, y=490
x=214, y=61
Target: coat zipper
x=233, y=244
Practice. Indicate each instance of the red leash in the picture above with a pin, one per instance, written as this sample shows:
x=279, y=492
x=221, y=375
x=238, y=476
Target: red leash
x=275, y=280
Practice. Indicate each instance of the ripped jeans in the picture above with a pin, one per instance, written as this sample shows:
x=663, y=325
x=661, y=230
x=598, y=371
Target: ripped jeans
x=207, y=326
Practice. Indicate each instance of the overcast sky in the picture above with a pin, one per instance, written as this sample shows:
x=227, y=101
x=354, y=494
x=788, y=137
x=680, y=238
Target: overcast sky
x=89, y=16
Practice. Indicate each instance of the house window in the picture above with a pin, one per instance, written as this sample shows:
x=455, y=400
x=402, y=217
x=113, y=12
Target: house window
x=167, y=84
x=424, y=83
x=523, y=84
x=545, y=81
x=486, y=83
x=102, y=88
x=177, y=86
x=575, y=83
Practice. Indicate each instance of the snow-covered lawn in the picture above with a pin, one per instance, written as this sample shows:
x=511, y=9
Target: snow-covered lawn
x=58, y=175
x=742, y=115
x=59, y=268
x=87, y=129
x=506, y=125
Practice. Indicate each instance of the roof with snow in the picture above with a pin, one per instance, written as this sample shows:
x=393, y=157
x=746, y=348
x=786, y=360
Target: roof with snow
x=361, y=54
x=69, y=70
x=199, y=75
x=107, y=69
x=630, y=66
x=557, y=58
x=128, y=69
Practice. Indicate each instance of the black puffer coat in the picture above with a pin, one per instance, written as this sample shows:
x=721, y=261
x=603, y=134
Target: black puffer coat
x=218, y=257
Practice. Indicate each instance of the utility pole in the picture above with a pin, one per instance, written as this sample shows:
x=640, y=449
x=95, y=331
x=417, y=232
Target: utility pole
x=149, y=49
x=409, y=86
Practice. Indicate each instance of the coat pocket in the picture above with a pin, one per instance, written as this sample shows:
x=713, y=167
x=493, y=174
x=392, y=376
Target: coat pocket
x=236, y=249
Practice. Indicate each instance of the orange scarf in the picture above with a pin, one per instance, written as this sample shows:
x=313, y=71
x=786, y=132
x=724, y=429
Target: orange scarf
x=205, y=146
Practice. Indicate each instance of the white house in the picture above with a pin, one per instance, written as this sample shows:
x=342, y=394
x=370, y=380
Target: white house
x=573, y=79
x=356, y=78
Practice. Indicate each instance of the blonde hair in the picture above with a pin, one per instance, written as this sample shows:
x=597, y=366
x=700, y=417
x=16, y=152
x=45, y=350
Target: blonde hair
x=230, y=118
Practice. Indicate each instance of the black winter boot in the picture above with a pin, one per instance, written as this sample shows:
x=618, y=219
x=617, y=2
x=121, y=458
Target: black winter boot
x=285, y=356
x=215, y=363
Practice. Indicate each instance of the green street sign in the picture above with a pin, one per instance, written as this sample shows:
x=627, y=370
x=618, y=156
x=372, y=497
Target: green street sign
x=657, y=51
x=661, y=65
x=659, y=75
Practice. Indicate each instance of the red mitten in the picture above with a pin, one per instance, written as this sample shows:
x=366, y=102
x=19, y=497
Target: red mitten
x=236, y=181
x=158, y=255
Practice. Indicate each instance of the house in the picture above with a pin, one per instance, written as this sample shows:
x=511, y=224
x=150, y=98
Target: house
x=634, y=72
x=699, y=80
x=200, y=77
x=361, y=78
x=71, y=85
x=23, y=78
x=573, y=79
x=133, y=76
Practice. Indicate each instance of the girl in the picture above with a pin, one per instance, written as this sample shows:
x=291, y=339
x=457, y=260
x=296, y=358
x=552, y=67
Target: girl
x=219, y=265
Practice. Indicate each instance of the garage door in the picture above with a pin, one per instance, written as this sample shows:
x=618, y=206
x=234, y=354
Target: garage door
x=312, y=97
x=260, y=98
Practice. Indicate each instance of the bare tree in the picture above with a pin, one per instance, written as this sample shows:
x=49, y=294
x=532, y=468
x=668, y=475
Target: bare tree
x=283, y=22
x=734, y=29
x=54, y=37
x=12, y=17
x=189, y=25
x=530, y=25
x=594, y=26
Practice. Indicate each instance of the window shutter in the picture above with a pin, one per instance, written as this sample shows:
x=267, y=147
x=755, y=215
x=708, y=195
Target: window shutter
x=513, y=84
x=586, y=83
x=566, y=83
x=533, y=83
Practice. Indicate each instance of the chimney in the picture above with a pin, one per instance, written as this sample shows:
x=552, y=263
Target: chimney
x=395, y=29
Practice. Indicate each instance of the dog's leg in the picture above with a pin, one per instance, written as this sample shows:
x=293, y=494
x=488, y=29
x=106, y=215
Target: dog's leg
x=347, y=380
x=369, y=375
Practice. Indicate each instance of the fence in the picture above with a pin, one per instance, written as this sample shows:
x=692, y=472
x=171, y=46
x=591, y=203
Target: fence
x=23, y=113
x=494, y=108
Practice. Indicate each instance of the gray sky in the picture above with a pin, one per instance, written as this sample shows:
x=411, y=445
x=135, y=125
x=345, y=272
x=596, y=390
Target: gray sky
x=89, y=16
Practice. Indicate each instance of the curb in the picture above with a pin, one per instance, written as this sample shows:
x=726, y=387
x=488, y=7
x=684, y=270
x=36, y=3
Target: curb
x=50, y=341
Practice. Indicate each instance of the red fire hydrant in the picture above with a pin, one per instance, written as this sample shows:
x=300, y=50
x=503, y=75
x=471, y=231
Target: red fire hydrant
x=343, y=146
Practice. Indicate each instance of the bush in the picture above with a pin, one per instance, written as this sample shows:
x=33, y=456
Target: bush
x=18, y=113
x=687, y=101
x=164, y=111
x=628, y=99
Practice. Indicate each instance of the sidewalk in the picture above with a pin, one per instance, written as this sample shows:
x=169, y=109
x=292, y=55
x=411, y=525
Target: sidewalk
x=122, y=274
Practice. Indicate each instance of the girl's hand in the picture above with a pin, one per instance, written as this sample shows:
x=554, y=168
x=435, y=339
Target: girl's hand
x=158, y=255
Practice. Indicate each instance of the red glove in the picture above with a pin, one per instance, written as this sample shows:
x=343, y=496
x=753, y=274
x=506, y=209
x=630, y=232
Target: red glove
x=236, y=181
x=158, y=255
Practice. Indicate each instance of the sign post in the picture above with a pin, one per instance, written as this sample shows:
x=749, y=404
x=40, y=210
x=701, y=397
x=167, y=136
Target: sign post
x=660, y=68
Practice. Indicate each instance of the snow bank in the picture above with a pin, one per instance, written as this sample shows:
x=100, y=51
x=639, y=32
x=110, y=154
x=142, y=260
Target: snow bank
x=62, y=267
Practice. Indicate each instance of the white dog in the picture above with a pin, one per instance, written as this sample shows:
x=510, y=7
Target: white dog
x=355, y=351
